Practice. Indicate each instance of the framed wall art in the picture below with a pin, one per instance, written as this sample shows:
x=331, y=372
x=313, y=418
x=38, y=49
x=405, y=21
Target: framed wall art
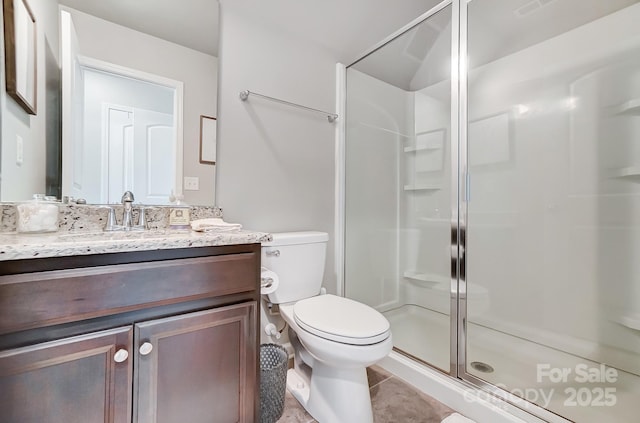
x=20, y=34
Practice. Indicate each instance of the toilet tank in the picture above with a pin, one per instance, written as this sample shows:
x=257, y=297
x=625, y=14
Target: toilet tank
x=298, y=259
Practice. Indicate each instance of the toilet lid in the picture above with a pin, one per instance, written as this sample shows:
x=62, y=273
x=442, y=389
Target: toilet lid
x=341, y=319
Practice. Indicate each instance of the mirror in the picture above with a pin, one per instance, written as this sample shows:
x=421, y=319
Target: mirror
x=175, y=43
x=129, y=138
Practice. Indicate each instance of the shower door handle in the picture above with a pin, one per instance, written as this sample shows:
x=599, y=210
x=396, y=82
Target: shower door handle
x=457, y=252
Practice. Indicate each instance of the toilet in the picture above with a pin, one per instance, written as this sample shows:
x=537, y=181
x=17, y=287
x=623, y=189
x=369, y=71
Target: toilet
x=334, y=338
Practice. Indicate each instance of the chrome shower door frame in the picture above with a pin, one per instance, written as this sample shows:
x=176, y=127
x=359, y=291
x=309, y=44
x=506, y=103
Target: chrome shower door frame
x=459, y=202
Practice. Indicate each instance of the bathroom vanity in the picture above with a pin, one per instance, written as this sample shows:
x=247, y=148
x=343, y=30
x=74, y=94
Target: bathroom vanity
x=133, y=329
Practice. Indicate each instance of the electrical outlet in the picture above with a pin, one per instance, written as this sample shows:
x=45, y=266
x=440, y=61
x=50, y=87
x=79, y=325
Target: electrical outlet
x=19, y=150
x=191, y=183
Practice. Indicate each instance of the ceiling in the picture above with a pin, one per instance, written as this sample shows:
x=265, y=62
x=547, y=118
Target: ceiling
x=496, y=28
x=346, y=28
x=190, y=23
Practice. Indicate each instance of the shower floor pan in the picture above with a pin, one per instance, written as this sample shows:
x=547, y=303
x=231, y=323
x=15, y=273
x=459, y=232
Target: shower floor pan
x=424, y=334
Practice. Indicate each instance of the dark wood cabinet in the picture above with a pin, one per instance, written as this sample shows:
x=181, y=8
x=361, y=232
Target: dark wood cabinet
x=132, y=339
x=72, y=380
x=193, y=368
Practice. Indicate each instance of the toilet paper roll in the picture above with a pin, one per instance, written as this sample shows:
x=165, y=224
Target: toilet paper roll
x=268, y=281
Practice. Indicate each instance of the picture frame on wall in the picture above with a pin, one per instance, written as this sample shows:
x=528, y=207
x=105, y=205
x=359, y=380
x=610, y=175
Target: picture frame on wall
x=208, y=127
x=20, y=35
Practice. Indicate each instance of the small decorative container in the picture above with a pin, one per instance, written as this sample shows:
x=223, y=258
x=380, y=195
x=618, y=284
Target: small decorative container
x=179, y=217
x=179, y=213
x=37, y=215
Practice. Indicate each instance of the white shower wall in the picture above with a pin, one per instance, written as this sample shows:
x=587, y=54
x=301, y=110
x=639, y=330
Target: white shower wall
x=426, y=213
x=552, y=231
x=379, y=119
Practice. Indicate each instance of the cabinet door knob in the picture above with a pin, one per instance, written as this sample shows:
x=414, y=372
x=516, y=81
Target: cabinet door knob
x=121, y=355
x=146, y=348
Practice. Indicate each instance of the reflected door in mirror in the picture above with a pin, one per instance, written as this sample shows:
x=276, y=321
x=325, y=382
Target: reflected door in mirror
x=140, y=154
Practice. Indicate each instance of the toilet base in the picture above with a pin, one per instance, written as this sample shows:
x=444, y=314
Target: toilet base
x=335, y=395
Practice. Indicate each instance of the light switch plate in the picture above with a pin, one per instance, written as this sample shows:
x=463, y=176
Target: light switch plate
x=191, y=183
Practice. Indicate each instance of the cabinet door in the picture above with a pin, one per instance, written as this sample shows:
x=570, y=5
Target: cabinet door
x=198, y=368
x=83, y=379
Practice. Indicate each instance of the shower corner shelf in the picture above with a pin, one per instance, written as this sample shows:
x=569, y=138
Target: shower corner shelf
x=630, y=320
x=416, y=148
x=429, y=278
x=421, y=187
x=631, y=107
x=629, y=172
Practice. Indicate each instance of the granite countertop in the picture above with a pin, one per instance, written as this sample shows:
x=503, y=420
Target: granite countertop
x=14, y=246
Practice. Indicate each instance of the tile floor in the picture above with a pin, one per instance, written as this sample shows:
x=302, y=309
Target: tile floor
x=392, y=399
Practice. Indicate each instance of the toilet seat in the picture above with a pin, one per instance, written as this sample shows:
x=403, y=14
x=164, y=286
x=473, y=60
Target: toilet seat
x=341, y=320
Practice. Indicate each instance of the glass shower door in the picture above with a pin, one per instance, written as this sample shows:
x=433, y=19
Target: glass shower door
x=553, y=204
x=398, y=186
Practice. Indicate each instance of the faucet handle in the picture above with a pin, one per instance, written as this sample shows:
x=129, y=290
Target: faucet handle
x=111, y=219
x=142, y=217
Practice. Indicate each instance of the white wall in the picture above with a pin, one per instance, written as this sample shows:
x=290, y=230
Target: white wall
x=113, y=43
x=19, y=182
x=275, y=163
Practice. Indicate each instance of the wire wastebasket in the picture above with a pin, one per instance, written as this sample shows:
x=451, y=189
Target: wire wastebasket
x=273, y=381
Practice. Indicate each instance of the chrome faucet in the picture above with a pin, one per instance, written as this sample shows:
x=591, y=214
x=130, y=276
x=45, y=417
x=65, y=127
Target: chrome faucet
x=127, y=199
x=127, y=216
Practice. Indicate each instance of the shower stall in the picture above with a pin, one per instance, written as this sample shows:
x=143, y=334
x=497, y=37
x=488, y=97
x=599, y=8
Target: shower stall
x=492, y=199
